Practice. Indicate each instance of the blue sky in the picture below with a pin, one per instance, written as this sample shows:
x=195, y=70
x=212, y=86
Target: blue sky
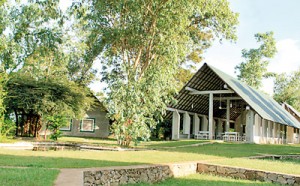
x=281, y=17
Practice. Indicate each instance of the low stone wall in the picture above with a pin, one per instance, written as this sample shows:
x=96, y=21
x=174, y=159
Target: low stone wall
x=277, y=157
x=249, y=174
x=155, y=173
x=125, y=175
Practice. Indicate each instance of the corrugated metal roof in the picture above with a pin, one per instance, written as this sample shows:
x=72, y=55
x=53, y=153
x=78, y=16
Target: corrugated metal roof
x=211, y=78
x=264, y=105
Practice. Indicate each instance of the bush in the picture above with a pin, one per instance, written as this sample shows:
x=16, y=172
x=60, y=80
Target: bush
x=7, y=128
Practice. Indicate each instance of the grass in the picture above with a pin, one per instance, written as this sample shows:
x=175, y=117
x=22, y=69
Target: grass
x=220, y=153
x=27, y=176
x=89, y=140
x=205, y=179
x=166, y=144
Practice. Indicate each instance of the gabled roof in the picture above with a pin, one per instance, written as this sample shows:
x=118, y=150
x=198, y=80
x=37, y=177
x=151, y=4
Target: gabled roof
x=211, y=78
x=292, y=110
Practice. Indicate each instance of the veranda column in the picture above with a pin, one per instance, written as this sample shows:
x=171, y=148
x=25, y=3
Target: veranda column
x=186, y=124
x=263, y=123
x=210, y=116
x=273, y=132
x=257, y=128
x=204, y=124
x=227, y=115
x=250, y=127
x=175, y=125
x=275, y=135
x=220, y=128
x=196, y=124
x=269, y=132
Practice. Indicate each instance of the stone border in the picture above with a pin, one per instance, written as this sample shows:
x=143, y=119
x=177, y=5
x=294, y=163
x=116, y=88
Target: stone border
x=249, y=174
x=276, y=157
x=155, y=173
x=125, y=175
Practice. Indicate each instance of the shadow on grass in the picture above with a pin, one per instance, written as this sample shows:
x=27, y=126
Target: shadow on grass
x=234, y=150
x=57, y=162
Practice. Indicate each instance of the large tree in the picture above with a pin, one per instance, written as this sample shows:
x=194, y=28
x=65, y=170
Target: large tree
x=141, y=44
x=287, y=89
x=254, y=68
x=37, y=46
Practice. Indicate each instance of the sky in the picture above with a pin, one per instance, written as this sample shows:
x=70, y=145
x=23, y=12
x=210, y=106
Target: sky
x=257, y=16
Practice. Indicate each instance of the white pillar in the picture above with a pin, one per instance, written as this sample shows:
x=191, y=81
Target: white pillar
x=186, y=124
x=227, y=116
x=263, y=123
x=210, y=116
x=220, y=128
x=257, y=128
x=250, y=127
x=196, y=124
x=269, y=132
x=175, y=125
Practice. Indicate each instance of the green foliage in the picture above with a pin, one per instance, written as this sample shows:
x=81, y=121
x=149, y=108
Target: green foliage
x=163, y=130
x=141, y=44
x=54, y=123
x=35, y=98
x=3, y=125
x=287, y=89
x=6, y=128
x=47, y=96
x=254, y=69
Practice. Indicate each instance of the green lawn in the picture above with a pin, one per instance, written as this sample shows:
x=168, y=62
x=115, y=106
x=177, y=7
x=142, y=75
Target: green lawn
x=27, y=176
x=205, y=179
x=220, y=153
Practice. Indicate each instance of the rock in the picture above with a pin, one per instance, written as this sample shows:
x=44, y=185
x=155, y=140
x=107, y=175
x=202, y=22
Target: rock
x=281, y=180
x=144, y=177
x=202, y=168
x=221, y=170
x=272, y=177
x=290, y=181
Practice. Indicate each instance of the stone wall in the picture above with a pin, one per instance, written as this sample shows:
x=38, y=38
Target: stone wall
x=125, y=175
x=249, y=174
x=155, y=173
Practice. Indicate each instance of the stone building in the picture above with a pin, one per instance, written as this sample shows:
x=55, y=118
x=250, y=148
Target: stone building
x=214, y=105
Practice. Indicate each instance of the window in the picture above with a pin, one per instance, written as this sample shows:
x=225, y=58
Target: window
x=66, y=126
x=87, y=125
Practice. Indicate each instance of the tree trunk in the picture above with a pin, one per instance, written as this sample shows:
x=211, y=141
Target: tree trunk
x=17, y=122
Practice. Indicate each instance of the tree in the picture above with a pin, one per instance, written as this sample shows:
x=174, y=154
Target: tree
x=3, y=79
x=287, y=89
x=36, y=46
x=34, y=100
x=141, y=44
x=254, y=69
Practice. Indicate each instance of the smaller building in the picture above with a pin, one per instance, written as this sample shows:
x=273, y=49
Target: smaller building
x=94, y=124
